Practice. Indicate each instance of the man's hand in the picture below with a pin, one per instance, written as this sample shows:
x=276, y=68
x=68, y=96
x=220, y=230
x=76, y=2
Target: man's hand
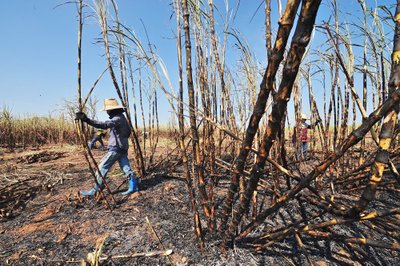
x=81, y=116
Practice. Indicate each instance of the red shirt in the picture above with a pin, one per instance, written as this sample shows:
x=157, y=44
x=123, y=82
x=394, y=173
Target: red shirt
x=304, y=132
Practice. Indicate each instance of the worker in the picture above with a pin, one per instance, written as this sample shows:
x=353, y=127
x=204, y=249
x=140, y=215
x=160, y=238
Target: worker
x=117, y=146
x=303, y=152
x=98, y=136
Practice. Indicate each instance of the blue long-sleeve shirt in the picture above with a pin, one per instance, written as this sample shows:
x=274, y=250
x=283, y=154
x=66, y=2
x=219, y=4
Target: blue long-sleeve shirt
x=119, y=132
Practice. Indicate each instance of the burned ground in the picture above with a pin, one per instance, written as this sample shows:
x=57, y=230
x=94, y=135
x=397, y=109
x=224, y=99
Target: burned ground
x=43, y=221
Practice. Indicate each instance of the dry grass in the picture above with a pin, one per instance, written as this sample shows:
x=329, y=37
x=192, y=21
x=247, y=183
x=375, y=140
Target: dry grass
x=34, y=131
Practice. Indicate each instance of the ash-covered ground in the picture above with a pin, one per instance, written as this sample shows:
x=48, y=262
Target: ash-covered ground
x=46, y=223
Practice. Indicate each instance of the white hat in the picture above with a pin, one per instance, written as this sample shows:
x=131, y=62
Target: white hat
x=111, y=104
x=304, y=116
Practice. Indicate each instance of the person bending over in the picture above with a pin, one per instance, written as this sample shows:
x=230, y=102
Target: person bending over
x=98, y=136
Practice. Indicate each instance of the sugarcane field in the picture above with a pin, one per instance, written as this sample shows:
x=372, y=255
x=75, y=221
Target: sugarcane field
x=200, y=132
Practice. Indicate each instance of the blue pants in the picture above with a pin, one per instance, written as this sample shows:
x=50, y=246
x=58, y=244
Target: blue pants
x=302, y=150
x=108, y=161
x=93, y=142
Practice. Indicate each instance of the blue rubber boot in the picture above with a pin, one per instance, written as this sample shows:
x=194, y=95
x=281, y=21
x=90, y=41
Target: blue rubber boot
x=133, y=186
x=88, y=193
x=91, y=192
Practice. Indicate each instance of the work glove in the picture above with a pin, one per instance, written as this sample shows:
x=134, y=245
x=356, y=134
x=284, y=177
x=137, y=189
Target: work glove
x=81, y=116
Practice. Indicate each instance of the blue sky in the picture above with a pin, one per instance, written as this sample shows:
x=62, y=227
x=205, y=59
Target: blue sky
x=39, y=47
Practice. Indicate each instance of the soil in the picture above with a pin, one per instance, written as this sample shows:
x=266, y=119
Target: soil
x=47, y=223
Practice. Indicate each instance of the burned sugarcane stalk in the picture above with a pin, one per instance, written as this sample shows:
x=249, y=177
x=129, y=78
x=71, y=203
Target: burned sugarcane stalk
x=102, y=15
x=79, y=125
x=355, y=240
x=354, y=138
x=198, y=164
x=287, y=231
x=181, y=123
x=300, y=41
x=266, y=86
x=387, y=131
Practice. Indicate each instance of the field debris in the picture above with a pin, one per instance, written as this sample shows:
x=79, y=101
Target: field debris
x=51, y=226
x=40, y=157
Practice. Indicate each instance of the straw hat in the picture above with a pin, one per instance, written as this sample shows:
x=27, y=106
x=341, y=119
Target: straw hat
x=304, y=116
x=111, y=104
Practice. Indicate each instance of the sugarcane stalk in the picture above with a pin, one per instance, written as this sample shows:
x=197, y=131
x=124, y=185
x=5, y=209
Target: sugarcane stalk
x=198, y=165
x=345, y=111
x=387, y=130
x=268, y=32
x=334, y=78
x=123, y=256
x=296, y=136
x=364, y=9
x=296, y=229
x=94, y=86
x=80, y=26
x=158, y=239
x=266, y=86
x=80, y=129
x=102, y=15
x=301, y=247
x=89, y=158
x=145, y=129
x=220, y=67
x=355, y=137
x=133, y=91
x=356, y=240
x=301, y=39
x=350, y=81
x=203, y=84
x=314, y=108
x=181, y=123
